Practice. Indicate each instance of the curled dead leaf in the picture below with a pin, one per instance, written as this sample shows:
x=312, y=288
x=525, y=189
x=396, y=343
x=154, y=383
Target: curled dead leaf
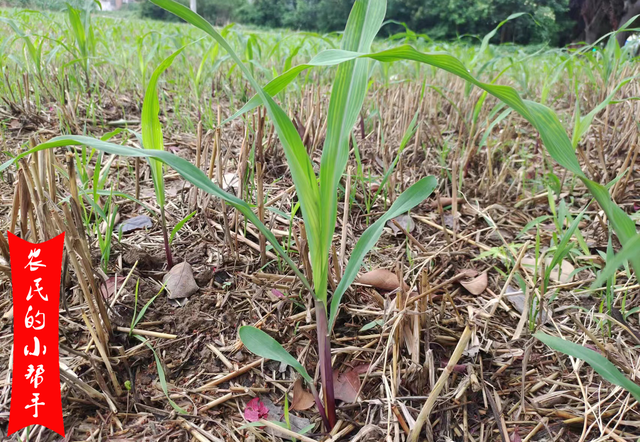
x=467, y=273
x=381, y=279
x=476, y=285
x=231, y=182
x=302, y=399
x=405, y=221
x=104, y=226
x=8, y=315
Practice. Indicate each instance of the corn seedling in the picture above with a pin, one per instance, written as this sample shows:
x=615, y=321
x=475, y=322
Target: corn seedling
x=152, y=140
x=104, y=231
x=161, y=374
x=317, y=195
x=137, y=316
x=83, y=37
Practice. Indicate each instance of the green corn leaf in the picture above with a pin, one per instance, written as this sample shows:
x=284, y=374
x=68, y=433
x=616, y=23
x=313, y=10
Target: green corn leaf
x=347, y=96
x=489, y=36
x=78, y=30
x=151, y=127
x=263, y=345
x=622, y=224
x=562, y=249
x=410, y=198
x=300, y=165
x=629, y=250
x=599, y=363
x=161, y=375
x=543, y=119
x=187, y=170
x=180, y=224
x=272, y=88
x=34, y=52
x=582, y=125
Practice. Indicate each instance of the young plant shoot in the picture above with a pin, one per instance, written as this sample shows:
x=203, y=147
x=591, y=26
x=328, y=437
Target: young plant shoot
x=351, y=66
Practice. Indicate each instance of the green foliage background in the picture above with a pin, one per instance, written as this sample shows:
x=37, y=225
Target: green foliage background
x=547, y=21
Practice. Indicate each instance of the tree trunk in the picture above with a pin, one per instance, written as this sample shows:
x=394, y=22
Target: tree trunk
x=634, y=9
x=193, y=5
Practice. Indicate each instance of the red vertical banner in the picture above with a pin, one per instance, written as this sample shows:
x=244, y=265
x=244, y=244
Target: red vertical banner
x=35, y=385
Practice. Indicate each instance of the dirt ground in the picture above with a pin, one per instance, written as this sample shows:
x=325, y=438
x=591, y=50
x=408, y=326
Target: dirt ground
x=506, y=386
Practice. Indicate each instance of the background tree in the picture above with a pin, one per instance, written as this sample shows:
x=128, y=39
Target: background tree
x=595, y=18
x=556, y=22
x=546, y=20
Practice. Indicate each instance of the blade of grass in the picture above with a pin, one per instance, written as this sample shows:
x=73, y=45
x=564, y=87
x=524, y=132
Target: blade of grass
x=599, y=363
x=410, y=198
x=161, y=376
x=263, y=345
x=180, y=224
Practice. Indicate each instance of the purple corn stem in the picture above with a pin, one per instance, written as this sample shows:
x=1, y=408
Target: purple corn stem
x=318, y=401
x=167, y=248
x=326, y=371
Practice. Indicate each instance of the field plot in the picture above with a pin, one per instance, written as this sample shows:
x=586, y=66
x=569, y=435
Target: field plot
x=274, y=235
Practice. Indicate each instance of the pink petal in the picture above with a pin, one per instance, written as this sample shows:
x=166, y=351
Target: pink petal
x=255, y=410
x=251, y=415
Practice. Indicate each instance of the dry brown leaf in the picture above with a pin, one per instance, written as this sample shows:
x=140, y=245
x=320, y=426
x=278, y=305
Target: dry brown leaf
x=302, y=399
x=276, y=414
x=108, y=289
x=362, y=368
x=180, y=282
x=476, y=285
x=560, y=273
x=467, y=273
x=382, y=279
x=346, y=385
